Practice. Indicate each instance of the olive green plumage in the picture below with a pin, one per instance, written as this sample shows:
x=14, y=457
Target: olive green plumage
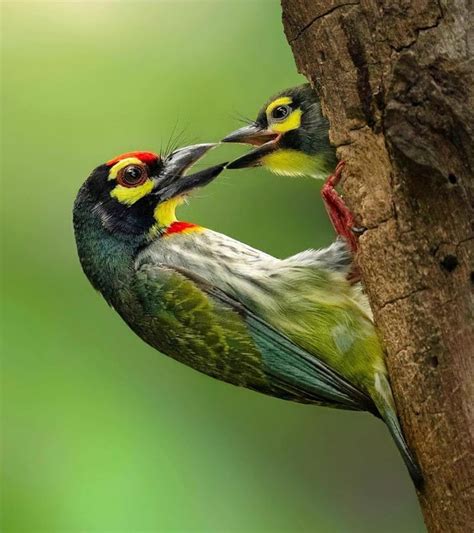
x=292, y=328
x=180, y=320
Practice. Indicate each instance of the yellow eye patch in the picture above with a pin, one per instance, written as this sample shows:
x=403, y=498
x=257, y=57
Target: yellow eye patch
x=128, y=195
x=284, y=100
x=291, y=122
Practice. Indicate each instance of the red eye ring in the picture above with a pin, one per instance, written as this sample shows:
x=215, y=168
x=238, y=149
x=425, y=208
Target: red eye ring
x=132, y=175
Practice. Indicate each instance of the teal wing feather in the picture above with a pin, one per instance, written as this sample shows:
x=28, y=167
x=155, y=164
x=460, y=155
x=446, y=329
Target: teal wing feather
x=180, y=320
x=289, y=370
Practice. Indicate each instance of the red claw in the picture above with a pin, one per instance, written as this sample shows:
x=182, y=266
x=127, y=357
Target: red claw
x=339, y=214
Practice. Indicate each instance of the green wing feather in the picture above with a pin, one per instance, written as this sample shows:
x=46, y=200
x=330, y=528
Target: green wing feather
x=292, y=368
x=180, y=320
x=289, y=371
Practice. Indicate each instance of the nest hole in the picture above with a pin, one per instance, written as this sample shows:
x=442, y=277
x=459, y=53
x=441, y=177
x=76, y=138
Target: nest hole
x=449, y=262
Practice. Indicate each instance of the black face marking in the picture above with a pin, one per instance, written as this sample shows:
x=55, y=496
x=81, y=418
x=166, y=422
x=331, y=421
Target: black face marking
x=116, y=217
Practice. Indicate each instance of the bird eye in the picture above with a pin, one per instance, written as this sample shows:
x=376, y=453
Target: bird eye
x=132, y=175
x=280, y=112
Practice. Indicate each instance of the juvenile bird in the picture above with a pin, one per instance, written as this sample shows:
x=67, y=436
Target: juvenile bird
x=292, y=139
x=292, y=328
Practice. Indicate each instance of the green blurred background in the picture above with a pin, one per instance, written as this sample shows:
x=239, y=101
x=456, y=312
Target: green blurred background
x=99, y=431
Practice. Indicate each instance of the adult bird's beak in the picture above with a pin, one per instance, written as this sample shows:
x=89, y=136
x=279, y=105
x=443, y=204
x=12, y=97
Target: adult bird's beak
x=251, y=134
x=172, y=182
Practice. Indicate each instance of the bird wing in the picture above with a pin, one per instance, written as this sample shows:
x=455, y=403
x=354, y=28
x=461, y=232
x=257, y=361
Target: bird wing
x=289, y=370
x=290, y=367
x=179, y=319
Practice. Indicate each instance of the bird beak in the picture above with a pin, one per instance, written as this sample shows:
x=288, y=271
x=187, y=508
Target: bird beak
x=251, y=134
x=254, y=157
x=265, y=140
x=172, y=182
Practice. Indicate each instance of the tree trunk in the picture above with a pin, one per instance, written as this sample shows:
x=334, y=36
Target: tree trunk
x=397, y=84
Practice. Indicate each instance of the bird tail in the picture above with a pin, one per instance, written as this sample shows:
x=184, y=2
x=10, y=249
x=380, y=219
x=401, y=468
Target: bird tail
x=383, y=399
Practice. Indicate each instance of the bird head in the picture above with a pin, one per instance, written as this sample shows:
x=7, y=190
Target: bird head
x=290, y=134
x=136, y=193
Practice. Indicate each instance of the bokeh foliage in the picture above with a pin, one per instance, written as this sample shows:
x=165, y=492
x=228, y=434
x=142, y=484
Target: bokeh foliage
x=99, y=431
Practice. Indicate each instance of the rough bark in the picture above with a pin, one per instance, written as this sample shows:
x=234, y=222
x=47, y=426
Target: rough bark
x=396, y=82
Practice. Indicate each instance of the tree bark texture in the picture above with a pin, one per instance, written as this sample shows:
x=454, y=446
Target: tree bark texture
x=396, y=82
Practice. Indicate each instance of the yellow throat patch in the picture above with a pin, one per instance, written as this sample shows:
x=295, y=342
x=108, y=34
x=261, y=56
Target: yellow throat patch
x=166, y=221
x=288, y=162
x=165, y=213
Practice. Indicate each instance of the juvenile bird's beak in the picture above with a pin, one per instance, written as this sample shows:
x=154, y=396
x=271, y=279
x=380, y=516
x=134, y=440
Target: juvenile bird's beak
x=251, y=134
x=254, y=157
x=265, y=140
x=171, y=181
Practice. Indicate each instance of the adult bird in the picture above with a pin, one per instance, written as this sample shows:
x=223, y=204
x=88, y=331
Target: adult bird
x=292, y=328
x=291, y=137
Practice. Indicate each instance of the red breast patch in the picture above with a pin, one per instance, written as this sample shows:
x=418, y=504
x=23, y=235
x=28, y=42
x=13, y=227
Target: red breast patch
x=179, y=227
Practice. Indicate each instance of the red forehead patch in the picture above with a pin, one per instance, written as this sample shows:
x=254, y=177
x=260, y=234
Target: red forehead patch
x=145, y=157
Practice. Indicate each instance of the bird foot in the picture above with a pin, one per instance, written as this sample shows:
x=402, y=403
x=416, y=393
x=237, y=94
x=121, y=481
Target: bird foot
x=339, y=214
